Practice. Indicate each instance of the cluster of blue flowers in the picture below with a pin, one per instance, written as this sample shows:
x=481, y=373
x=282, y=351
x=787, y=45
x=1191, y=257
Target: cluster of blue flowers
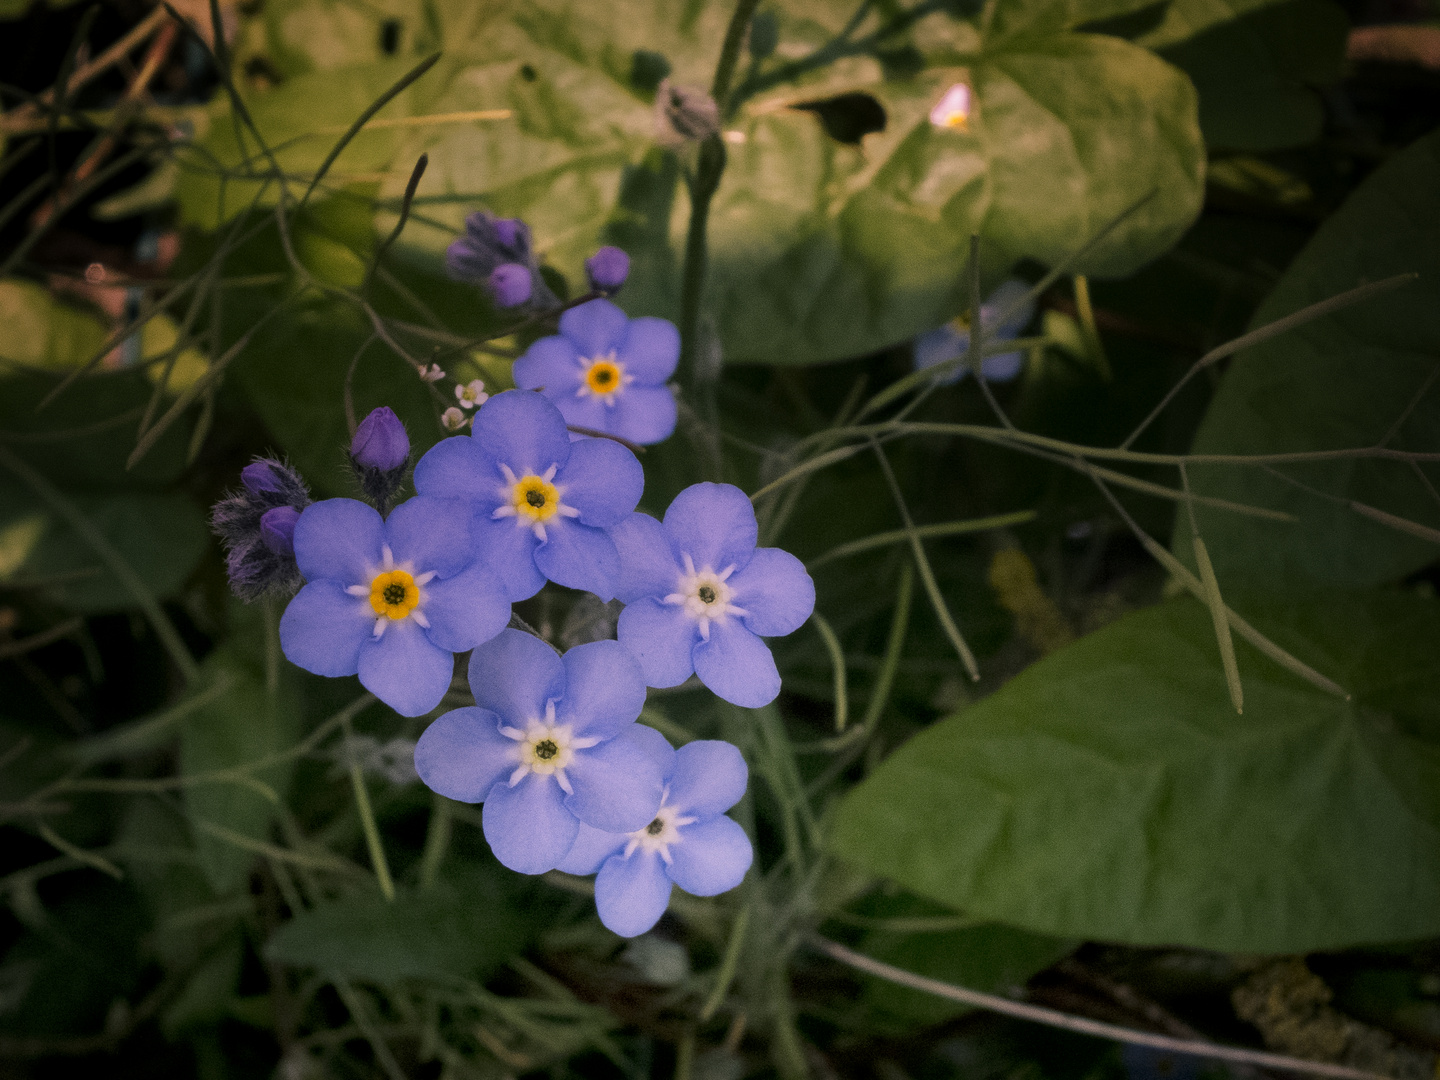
x=568, y=779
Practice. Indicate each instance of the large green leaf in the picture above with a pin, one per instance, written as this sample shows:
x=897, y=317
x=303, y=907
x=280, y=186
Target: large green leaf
x=460, y=930
x=1337, y=383
x=1256, y=65
x=1111, y=792
x=161, y=537
x=819, y=249
x=248, y=724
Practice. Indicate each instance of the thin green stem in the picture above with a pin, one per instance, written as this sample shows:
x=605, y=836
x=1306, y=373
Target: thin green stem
x=367, y=815
x=729, y=963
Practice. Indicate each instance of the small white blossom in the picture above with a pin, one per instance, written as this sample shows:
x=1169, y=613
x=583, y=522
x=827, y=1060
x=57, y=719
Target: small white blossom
x=472, y=394
x=430, y=374
x=454, y=419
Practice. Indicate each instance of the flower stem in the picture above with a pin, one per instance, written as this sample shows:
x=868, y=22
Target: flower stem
x=367, y=816
x=709, y=166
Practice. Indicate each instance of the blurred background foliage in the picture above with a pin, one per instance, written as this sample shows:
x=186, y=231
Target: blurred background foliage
x=190, y=274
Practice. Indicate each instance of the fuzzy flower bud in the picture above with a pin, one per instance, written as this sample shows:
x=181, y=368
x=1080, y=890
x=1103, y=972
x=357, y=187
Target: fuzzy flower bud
x=256, y=525
x=380, y=441
x=683, y=115
x=607, y=270
x=260, y=478
x=277, y=529
x=510, y=285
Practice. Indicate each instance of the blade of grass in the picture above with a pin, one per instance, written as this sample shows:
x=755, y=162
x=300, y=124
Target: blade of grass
x=378, y=862
x=1265, y=333
x=837, y=664
x=927, y=576
x=900, y=536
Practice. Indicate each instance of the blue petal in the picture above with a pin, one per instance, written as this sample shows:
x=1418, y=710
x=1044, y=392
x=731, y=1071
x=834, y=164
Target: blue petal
x=604, y=689
x=711, y=857
x=527, y=825
x=775, y=591
x=602, y=479
x=619, y=783
x=508, y=549
x=456, y=468
x=1002, y=367
x=587, y=412
x=339, y=540
x=579, y=557
x=590, y=850
x=514, y=674
x=323, y=628
x=660, y=636
x=651, y=350
x=648, y=566
x=432, y=533
x=737, y=666
x=462, y=755
x=1006, y=295
x=465, y=610
x=707, y=779
x=404, y=670
x=550, y=364
x=714, y=524
x=941, y=344
x=631, y=894
x=644, y=414
x=519, y=428
x=595, y=328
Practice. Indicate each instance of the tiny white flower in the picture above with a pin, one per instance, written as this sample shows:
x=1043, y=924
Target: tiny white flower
x=471, y=394
x=430, y=374
x=453, y=419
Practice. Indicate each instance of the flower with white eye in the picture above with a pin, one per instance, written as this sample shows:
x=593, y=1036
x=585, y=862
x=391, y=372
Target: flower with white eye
x=951, y=341
x=690, y=842
x=699, y=595
x=390, y=600
x=543, y=505
x=551, y=743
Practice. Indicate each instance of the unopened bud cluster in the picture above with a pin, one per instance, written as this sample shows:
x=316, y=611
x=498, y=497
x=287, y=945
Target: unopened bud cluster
x=257, y=526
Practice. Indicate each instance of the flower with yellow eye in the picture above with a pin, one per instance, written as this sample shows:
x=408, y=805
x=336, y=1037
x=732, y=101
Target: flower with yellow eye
x=391, y=600
x=543, y=505
x=607, y=372
x=551, y=743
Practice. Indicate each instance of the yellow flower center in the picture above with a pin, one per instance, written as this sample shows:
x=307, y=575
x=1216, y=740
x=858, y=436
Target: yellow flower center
x=603, y=376
x=535, y=498
x=394, y=593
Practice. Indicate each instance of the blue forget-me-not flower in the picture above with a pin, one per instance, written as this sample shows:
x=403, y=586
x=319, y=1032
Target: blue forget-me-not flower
x=690, y=842
x=607, y=372
x=952, y=339
x=551, y=742
x=390, y=599
x=699, y=595
x=542, y=504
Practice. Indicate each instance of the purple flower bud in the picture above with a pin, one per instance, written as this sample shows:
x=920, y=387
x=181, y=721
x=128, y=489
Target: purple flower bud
x=260, y=478
x=380, y=441
x=277, y=529
x=607, y=269
x=513, y=234
x=510, y=284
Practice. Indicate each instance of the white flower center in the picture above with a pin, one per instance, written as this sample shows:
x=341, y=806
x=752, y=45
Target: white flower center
x=545, y=748
x=705, y=596
x=660, y=834
x=393, y=592
x=532, y=500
